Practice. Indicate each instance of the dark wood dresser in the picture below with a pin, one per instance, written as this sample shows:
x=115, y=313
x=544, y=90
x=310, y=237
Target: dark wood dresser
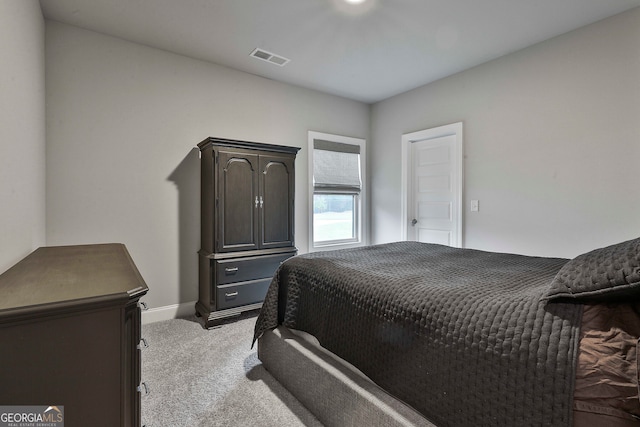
x=70, y=333
x=247, y=223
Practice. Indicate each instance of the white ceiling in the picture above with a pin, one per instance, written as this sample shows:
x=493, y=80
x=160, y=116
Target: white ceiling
x=367, y=52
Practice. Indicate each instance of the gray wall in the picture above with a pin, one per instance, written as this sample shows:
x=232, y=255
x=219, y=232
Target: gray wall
x=551, y=143
x=122, y=123
x=22, y=130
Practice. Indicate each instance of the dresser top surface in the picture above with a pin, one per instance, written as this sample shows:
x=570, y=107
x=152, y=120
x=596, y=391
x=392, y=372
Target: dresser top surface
x=59, y=274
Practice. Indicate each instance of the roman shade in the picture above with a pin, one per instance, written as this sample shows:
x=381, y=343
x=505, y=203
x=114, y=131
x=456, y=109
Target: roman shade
x=336, y=167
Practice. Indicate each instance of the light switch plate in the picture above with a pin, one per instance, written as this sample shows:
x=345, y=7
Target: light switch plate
x=475, y=206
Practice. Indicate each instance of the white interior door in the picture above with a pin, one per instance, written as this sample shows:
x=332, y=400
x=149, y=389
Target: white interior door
x=435, y=189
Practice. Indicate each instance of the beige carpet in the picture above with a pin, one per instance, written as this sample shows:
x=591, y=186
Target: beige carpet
x=200, y=377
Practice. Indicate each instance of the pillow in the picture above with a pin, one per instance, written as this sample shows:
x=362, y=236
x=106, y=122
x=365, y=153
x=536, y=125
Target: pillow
x=611, y=273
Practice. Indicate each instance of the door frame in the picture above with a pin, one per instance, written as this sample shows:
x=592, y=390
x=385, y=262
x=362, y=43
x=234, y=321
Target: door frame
x=453, y=129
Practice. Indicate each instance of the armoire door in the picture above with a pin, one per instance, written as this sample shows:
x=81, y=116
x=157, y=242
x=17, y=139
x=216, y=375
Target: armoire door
x=238, y=202
x=276, y=201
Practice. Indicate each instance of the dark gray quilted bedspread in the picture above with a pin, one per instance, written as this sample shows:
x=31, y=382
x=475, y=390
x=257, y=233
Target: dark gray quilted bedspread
x=461, y=335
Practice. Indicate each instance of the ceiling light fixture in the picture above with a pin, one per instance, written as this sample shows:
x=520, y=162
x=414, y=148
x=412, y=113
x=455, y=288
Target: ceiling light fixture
x=354, y=8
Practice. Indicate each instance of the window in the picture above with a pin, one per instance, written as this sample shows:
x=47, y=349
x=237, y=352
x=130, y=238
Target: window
x=336, y=167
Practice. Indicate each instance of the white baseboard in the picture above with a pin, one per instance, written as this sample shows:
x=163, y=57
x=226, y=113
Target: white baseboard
x=168, y=312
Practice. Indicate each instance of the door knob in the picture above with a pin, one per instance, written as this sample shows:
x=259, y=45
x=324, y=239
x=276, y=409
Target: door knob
x=414, y=222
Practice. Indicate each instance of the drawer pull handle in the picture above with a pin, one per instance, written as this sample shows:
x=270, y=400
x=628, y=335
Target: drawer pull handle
x=145, y=387
x=231, y=294
x=143, y=344
x=230, y=270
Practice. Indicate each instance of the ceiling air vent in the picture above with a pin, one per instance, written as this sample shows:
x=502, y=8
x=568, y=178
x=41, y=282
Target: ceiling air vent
x=269, y=57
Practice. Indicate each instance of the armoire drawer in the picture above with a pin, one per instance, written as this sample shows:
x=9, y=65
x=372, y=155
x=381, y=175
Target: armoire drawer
x=237, y=294
x=250, y=268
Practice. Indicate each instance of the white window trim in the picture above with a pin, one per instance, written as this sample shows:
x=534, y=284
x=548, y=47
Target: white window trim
x=362, y=209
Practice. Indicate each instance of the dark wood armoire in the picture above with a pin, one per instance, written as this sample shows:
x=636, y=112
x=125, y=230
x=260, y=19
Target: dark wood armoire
x=247, y=223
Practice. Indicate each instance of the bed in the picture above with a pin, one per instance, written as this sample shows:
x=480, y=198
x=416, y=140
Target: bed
x=411, y=333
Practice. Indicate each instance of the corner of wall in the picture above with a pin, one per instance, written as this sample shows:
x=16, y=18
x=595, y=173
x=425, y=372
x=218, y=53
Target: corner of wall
x=22, y=130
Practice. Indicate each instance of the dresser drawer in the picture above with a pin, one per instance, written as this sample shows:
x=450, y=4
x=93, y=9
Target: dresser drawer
x=251, y=268
x=236, y=294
